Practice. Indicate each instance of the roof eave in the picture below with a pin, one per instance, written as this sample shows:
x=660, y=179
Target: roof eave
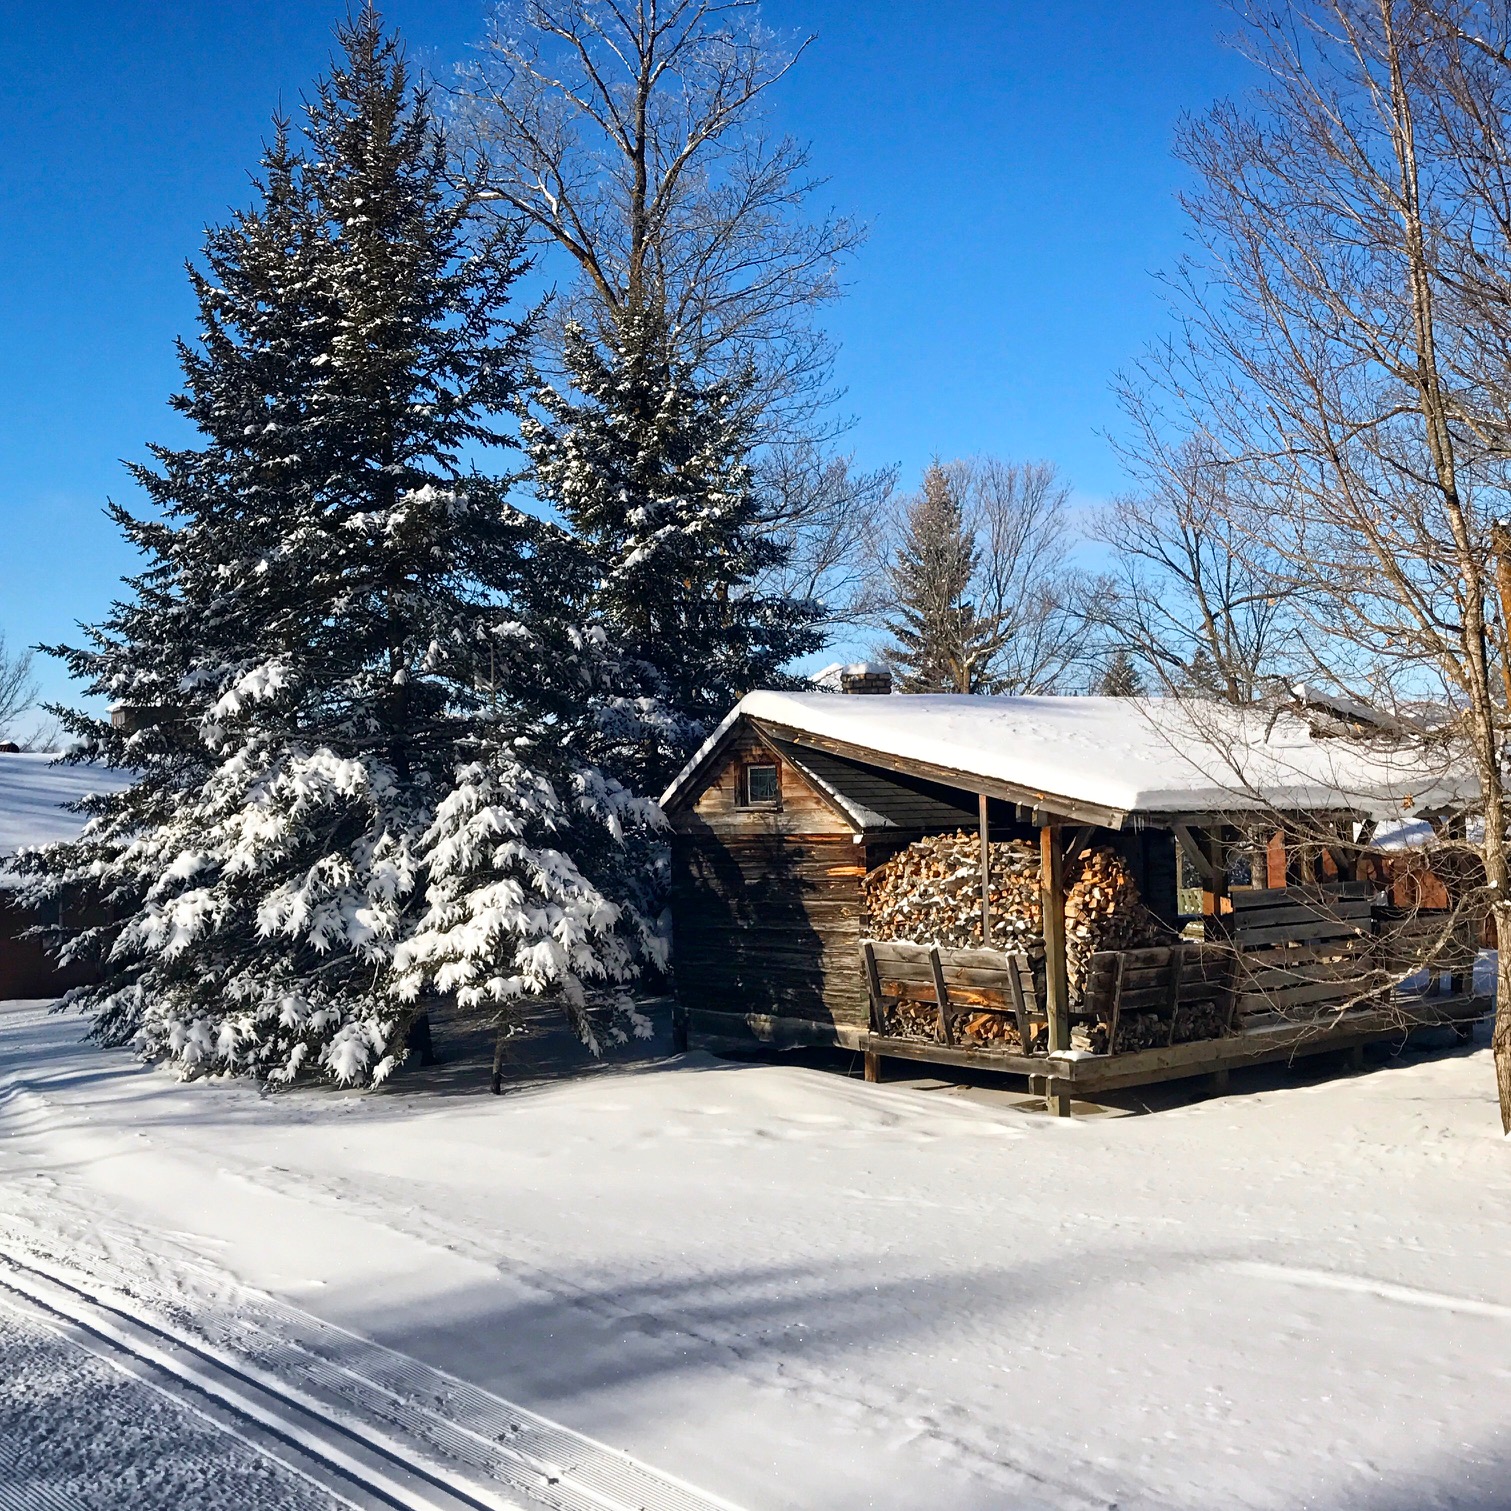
x=1056, y=804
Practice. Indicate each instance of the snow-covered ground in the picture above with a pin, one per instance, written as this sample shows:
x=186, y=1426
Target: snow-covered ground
x=775, y=1287
x=77, y=1432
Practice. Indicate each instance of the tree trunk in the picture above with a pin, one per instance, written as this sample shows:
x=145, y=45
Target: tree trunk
x=1500, y=1038
x=418, y=1041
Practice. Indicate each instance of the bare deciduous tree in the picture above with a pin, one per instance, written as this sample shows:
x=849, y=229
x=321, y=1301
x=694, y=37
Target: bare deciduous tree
x=18, y=688
x=826, y=507
x=969, y=577
x=1028, y=590
x=1341, y=355
x=631, y=137
x=1196, y=606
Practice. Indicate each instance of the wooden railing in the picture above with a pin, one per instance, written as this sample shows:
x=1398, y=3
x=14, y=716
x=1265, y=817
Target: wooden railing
x=1297, y=953
x=991, y=999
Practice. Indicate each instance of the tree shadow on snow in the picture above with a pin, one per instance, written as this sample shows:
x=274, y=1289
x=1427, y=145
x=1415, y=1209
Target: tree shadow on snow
x=546, y=1050
x=828, y=1335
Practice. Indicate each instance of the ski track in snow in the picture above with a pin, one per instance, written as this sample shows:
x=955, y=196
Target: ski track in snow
x=1362, y=1285
x=87, y=1428
x=345, y=1383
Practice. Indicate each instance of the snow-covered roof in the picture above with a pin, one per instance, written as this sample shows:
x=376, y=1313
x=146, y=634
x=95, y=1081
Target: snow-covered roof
x=33, y=792
x=1104, y=760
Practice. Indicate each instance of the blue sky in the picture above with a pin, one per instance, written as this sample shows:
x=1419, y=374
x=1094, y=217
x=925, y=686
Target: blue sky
x=1012, y=161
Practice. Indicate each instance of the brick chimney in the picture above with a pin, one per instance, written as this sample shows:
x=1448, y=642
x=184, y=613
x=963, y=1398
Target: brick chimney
x=865, y=677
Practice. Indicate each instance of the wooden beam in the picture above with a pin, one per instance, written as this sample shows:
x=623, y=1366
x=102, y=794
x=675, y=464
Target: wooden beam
x=1204, y=1057
x=1020, y=1006
x=986, y=875
x=1216, y=925
x=1117, y=1002
x=873, y=990
x=1342, y=861
x=941, y=996
x=1078, y=841
x=1052, y=906
x=1192, y=846
x=1057, y=1096
x=1177, y=965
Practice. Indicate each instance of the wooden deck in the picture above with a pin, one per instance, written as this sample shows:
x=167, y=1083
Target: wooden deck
x=1063, y=1076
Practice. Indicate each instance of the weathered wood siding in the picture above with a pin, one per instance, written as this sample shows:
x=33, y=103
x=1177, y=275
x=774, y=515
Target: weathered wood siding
x=768, y=927
x=766, y=914
x=801, y=810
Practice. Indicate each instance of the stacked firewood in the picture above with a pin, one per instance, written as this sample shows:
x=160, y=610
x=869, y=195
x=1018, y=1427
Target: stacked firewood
x=931, y=894
x=995, y=1031
x=1102, y=912
x=1193, y=1021
x=1142, y=1031
x=910, y=1019
x=1200, y=1020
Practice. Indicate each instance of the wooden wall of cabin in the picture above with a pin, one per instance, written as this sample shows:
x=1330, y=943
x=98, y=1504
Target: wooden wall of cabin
x=766, y=904
x=767, y=939
x=1151, y=856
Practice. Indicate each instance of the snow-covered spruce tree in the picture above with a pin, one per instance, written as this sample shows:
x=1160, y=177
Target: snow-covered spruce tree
x=360, y=728
x=940, y=642
x=1122, y=678
x=648, y=467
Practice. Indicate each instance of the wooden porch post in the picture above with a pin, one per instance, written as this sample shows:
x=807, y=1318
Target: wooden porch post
x=986, y=877
x=1215, y=885
x=1056, y=987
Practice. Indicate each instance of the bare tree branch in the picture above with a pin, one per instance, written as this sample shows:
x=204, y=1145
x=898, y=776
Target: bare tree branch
x=18, y=688
x=630, y=136
x=1345, y=357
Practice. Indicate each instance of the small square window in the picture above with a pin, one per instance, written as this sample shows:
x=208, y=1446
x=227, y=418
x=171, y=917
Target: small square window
x=761, y=785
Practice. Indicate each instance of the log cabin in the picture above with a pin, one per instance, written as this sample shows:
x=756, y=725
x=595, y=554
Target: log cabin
x=798, y=797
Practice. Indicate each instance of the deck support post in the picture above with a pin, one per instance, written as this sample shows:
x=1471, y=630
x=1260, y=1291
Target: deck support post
x=1056, y=986
x=872, y=1065
x=986, y=875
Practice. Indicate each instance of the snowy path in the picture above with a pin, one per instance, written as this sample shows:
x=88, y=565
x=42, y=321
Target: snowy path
x=320, y=1390
x=359, y=1467
x=83, y=1430
x=793, y=1290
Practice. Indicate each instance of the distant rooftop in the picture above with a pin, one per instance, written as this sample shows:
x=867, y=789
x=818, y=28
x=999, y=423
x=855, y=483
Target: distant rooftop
x=33, y=794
